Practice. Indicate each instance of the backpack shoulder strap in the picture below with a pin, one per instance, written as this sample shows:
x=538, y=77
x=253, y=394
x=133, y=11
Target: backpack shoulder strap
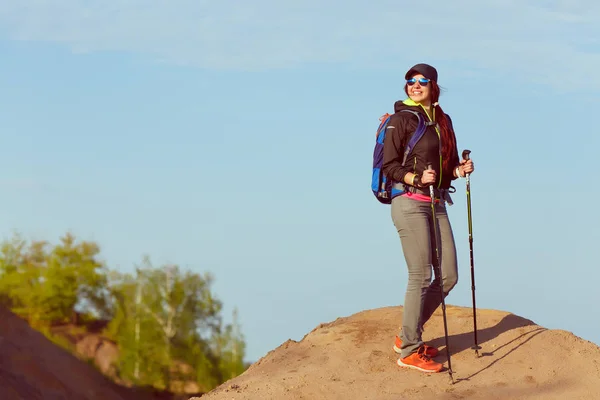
x=417, y=135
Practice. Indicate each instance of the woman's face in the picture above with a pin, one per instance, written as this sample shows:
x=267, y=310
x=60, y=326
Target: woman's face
x=420, y=90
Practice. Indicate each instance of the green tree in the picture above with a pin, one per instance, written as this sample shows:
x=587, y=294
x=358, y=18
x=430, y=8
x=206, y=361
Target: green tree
x=74, y=281
x=231, y=349
x=160, y=318
x=134, y=331
x=21, y=277
x=53, y=286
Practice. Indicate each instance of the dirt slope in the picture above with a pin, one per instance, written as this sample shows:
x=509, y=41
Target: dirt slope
x=32, y=367
x=352, y=358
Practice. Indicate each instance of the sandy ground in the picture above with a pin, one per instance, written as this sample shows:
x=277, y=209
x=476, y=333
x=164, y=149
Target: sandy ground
x=352, y=358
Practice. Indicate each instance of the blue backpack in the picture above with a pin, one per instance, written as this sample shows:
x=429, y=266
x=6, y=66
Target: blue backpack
x=382, y=187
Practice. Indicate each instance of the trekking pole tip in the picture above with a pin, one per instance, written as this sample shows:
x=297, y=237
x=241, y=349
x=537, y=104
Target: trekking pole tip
x=465, y=154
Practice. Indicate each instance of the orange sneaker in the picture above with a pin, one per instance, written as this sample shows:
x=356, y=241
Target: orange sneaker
x=429, y=350
x=420, y=361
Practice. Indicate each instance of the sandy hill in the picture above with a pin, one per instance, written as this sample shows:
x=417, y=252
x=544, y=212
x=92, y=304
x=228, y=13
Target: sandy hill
x=32, y=368
x=352, y=358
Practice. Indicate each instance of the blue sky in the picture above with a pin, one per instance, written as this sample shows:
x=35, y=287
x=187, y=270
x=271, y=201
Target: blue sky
x=236, y=138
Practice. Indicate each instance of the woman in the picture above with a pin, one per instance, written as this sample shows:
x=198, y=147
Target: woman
x=412, y=214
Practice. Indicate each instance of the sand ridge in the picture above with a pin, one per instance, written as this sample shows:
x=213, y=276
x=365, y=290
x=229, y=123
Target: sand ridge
x=352, y=358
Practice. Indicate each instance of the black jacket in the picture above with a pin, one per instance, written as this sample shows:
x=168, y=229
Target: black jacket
x=427, y=150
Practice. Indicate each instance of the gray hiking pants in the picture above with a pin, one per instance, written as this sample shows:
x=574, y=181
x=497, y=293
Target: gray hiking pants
x=413, y=220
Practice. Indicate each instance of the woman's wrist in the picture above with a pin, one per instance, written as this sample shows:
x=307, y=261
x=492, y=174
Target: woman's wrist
x=416, y=181
x=457, y=172
x=412, y=179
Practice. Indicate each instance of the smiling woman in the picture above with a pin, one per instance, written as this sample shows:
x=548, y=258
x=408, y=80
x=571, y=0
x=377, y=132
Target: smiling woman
x=425, y=91
x=422, y=176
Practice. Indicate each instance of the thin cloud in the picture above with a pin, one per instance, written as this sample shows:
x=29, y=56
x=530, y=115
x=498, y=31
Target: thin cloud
x=546, y=41
x=24, y=184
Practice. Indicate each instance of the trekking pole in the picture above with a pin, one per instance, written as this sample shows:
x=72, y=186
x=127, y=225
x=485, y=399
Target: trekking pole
x=476, y=347
x=439, y=266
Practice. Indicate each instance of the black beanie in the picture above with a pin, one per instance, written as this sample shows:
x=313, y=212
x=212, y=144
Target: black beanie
x=425, y=69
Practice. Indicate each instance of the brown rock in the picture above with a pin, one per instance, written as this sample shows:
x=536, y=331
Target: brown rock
x=104, y=352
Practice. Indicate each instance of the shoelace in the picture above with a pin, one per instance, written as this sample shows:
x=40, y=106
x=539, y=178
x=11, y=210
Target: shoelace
x=421, y=354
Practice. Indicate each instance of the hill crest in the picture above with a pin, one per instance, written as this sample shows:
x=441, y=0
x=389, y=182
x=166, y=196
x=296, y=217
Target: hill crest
x=352, y=358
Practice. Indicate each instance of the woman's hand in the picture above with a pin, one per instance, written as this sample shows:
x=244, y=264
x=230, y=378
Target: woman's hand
x=428, y=177
x=466, y=167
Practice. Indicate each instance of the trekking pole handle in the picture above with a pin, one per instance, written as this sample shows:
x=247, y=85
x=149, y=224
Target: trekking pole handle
x=466, y=156
x=430, y=167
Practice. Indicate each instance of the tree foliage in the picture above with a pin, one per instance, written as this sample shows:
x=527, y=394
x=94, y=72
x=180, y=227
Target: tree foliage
x=167, y=322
